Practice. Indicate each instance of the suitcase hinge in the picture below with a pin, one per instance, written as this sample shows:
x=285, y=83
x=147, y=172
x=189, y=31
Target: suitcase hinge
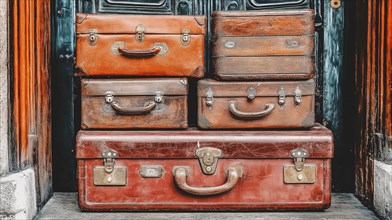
x=108, y=159
x=210, y=97
x=139, y=33
x=93, y=37
x=299, y=156
x=185, y=38
x=208, y=158
x=282, y=96
x=298, y=96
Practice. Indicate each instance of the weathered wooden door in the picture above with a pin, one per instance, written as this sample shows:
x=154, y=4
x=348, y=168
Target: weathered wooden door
x=66, y=104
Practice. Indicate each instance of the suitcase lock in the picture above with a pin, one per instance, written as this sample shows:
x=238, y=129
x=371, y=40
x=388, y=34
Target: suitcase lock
x=93, y=37
x=208, y=158
x=299, y=172
x=185, y=38
x=298, y=96
x=109, y=174
x=139, y=33
x=210, y=97
x=282, y=96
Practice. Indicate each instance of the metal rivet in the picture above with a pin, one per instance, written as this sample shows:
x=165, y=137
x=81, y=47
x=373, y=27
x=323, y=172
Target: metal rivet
x=300, y=177
x=109, y=154
x=335, y=4
x=110, y=179
x=208, y=169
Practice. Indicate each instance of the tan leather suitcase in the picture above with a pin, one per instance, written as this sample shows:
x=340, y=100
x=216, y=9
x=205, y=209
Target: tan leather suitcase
x=259, y=45
x=140, y=45
x=204, y=170
x=134, y=103
x=262, y=104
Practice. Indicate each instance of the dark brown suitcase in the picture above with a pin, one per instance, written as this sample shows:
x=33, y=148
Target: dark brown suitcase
x=134, y=103
x=140, y=45
x=267, y=104
x=204, y=170
x=258, y=45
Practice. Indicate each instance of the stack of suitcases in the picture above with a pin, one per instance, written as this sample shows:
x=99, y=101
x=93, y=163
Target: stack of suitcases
x=257, y=146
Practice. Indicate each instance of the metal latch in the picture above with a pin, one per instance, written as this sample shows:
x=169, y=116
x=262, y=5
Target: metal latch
x=158, y=96
x=282, y=96
x=185, y=38
x=298, y=96
x=210, y=97
x=251, y=93
x=93, y=37
x=299, y=172
x=208, y=158
x=109, y=174
x=139, y=33
x=109, y=96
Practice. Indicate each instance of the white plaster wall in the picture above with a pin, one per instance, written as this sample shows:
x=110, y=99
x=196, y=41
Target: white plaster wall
x=383, y=189
x=3, y=87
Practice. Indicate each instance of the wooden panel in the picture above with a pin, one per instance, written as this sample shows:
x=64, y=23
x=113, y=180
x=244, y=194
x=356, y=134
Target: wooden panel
x=31, y=91
x=370, y=67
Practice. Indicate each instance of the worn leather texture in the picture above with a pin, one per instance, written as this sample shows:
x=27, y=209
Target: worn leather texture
x=262, y=45
x=287, y=115
x=260, y=154
x=132, y=95
x=111, y=32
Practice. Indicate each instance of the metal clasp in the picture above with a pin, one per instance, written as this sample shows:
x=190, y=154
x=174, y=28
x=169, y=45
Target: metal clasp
x=108, y=159
x=298, y=96
x=185, y=38
x=210, y=97
x=251, y=93
x=158, y=96
x=208, y=158
x=109, y=96
x=139, y=33
x=93, y=37
x=299, y=156
x=282, y=96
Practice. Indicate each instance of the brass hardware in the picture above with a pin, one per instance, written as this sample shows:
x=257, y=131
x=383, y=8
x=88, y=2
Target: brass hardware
x=292, y=43
x=299, y=172
x=208, y=158
x=158, y=96
x=163, y=46
x=118, y=177
x=299, y=156
x=298, y=96
x=109, y=96
x=114, y=47
x=108, y=174
x=230, y=44
x=151, y=171
x=306, y=175
x=336, y=4
x=282, y=96
x=251, y=93
x=210, y=97
x=185, y=38
x=139, y=33
x=93, y=37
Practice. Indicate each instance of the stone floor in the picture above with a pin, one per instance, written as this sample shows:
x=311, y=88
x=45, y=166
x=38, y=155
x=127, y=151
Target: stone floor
x=344, y=206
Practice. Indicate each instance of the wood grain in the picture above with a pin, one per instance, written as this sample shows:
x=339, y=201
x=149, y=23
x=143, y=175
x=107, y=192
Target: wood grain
x=31, y=91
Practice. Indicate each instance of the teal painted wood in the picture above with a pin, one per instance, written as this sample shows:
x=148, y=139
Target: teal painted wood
x=63, y=105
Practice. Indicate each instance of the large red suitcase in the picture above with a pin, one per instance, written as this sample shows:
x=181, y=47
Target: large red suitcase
x=205, y=170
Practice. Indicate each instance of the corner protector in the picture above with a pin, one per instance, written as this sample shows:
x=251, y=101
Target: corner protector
x=84, y=126
x=198, y=72
x=80, y=18
x=79, y=71
x=201, y=20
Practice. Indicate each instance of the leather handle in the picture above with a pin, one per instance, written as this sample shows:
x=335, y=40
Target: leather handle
x=250, y=115
x=139, y=53
x=133, y=110
x=180, y=175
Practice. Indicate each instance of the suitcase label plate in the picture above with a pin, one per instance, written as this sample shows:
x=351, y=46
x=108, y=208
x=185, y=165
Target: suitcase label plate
x=118, y=177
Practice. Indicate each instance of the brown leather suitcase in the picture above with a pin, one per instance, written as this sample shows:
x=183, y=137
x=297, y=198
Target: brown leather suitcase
x=134, y=103
x=140, y=45
x=258, y=45
x=204, y=170
x=266, y=104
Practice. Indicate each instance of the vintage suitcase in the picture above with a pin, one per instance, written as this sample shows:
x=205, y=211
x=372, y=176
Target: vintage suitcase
x=204, y=170
x=263, y=45
x=134, y=103
x=140, y=45
x=266, y=104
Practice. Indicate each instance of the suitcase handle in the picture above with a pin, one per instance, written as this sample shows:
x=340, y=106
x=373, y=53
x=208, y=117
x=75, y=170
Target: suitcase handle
x=250, y=115
x=139, y=53
x=181, y=173
x=133, y=110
